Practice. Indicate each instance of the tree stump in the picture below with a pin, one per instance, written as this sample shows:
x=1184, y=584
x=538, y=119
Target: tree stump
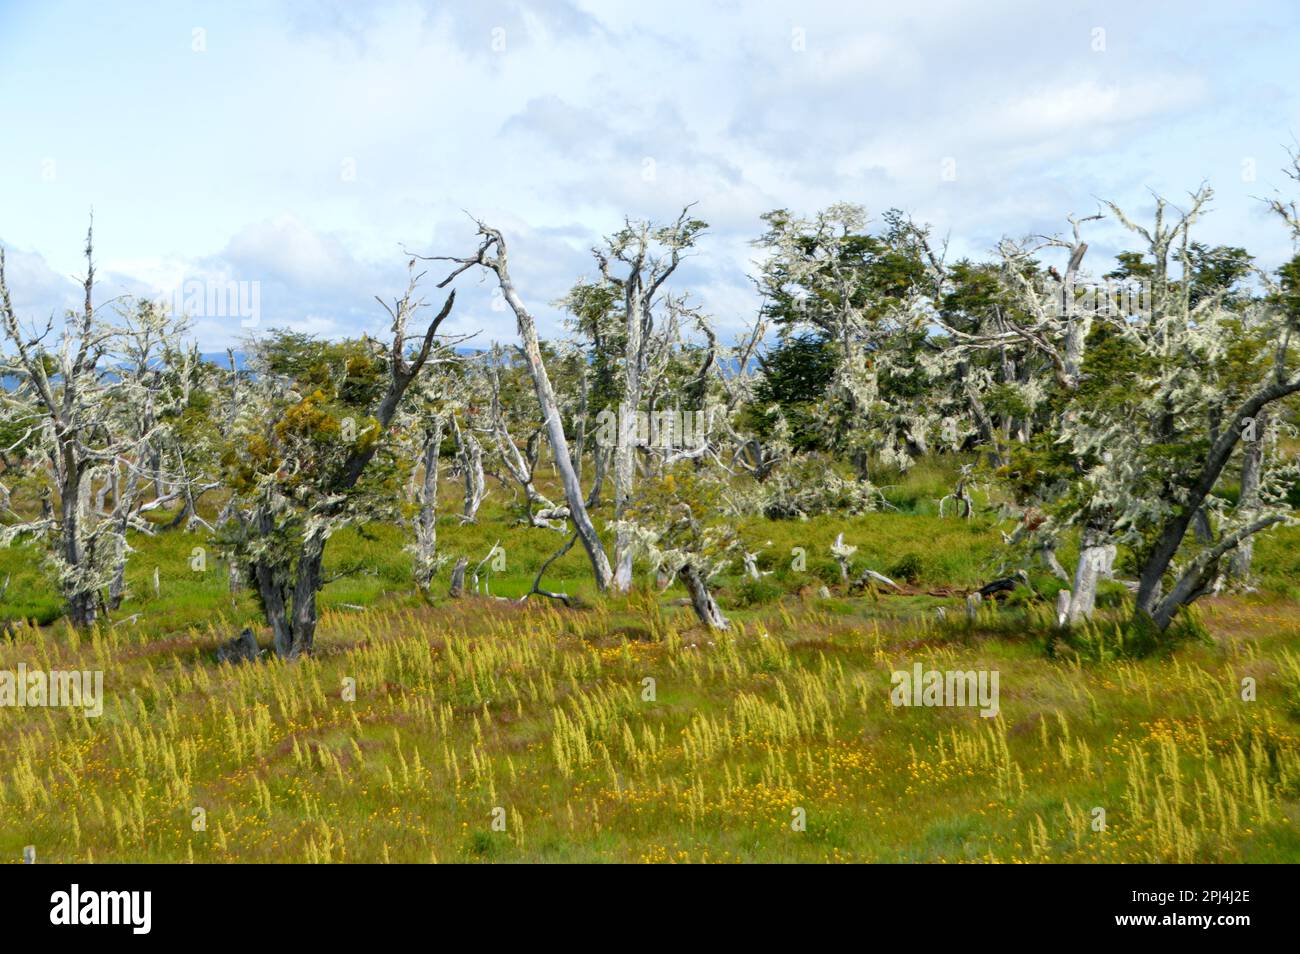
x=243, y=648
x=1063, y=608
x=458, y=578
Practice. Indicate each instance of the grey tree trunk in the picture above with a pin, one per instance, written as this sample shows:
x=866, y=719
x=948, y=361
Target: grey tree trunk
x=81, y=601
x=117, y=586
x=101, y=494
x=308, y=583
x=541, y=509
x=1095, y=559
x=426, y=524
x=471, y=463
x=272, y=593
x=124, y=495
x=580, y=425
x=1048, y=553
x=702, y=601
x=554, y=426
x=1149, y=602
x=1252, y=465
x=600, y=462
x=458, y=578
x=625, y=445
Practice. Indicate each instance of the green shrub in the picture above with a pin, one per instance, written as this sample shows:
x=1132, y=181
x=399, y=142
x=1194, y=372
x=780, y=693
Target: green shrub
x=828, y=571
x=752, y=592
x=1133, y=637
x=909, y=568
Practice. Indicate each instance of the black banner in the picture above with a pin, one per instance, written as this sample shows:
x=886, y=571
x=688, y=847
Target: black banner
x=216, y=903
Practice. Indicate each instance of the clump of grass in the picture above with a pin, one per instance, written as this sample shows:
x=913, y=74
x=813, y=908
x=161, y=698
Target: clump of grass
x=1126, y=635
x=750, y=592
x=908, y=568
x=1289, y=670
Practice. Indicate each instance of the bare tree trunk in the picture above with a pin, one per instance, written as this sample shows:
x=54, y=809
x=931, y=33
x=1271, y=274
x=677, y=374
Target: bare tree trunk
x=1149, y=602
x=1077, y=324
x=308, y=583
x=458, y=578
x=1252, y=464
x=426, y=524
x=988, y=433
x=645, y=275
x=1200, y=574
x=102, y=493
x=580, y=424
x=702, y=601
x=600, y=462
x=546, y=401
x=471, y=462
x=81, y=600
x=272, y=593
x=541, y=509
x=1048, y=554
x=1201, y=526
x=1095, y=556
x=124, y=498
x=117, y=586
x=625, y=445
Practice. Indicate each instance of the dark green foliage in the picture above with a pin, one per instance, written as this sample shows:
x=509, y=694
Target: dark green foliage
x=795, y=375
x=751, y=592
x=1218, y=270
x=908, y=568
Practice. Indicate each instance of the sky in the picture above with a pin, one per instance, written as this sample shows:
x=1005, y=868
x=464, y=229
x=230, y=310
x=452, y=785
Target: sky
x=303, y=149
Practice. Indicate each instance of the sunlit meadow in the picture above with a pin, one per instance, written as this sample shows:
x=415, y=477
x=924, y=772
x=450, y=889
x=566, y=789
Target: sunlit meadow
x=620, y=730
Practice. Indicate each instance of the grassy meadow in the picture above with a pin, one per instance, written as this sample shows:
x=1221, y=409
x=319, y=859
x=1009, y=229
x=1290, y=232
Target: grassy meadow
x=620, y=730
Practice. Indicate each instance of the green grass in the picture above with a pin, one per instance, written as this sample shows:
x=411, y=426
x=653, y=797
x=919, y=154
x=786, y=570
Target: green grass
x=477, y=710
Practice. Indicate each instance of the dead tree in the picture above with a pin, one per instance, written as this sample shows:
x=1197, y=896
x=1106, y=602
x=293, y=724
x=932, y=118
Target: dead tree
x=426, y=521
x=469, y=456
x=646, y=270
x=542, y=512
x=491, y=255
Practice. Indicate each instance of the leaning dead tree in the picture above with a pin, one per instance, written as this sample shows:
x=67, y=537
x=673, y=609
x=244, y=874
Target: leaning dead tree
x=520, y=465
x=492, y=256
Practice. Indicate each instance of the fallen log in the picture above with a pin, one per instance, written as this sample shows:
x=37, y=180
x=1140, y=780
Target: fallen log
x=871, y=575
x=1005, y=586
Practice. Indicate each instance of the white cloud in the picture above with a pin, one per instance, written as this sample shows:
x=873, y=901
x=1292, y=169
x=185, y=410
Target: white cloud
x=539, y=117
x=285, y=249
